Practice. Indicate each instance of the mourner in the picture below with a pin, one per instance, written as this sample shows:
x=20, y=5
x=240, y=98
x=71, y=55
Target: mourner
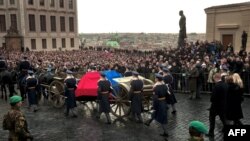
x=136, y=97
x=218, y=103
x=104, y=90
x=197, y=130
x=159, y=104
x=15, y=121
x=168, y=80
x=234, y=99
x=31, y=89
x=70, y=86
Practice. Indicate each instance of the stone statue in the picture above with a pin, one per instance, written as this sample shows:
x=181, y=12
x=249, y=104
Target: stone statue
x=182, y=32
x=244, y=40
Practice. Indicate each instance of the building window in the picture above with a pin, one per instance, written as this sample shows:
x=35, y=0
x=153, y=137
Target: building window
x=53, y=23
x=1, y=2
x=72, y=42
x=61, y=3
x=44, y=44
x=63, y=43
x=32, y=22
x=33, y=43
x=43, y=22
x=53, y=43
x=71, y=24
x=62, y=23
x=2, y=23
x=41, y=2
x=52, y=3
x=13, y=20
x=12, y=2
x=30, y=2
x=70, y=4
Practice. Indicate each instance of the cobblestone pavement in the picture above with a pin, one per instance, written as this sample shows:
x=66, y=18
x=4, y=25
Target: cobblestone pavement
x=49, y=124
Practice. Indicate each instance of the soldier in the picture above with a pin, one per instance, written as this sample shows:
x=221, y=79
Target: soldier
x=104, y=90
x=3, y=74
x=70, y=86
x=168, y=80
x=159, y=104
x=24, y=66
x=135, y=95
x=3, y=64
x=31, y=85
x=197, y=130
x=15, y=122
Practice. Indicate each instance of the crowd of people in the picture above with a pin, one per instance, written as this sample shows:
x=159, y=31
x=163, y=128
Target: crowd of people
x=192, y=61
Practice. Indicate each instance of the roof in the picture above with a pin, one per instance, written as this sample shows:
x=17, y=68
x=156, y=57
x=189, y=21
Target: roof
x=229, y=5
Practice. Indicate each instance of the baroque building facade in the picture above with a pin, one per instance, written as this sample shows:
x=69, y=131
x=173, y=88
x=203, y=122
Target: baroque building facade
x=226, y=23
x=41, y=24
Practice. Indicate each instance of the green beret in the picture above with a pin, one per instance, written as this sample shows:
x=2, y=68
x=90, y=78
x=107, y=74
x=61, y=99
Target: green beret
x=199, y=126
x=15, y=99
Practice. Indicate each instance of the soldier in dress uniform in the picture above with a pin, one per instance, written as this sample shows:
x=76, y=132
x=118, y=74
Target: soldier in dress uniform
x=135, y=95
x=70, y=86
x=3, y=64
x=168, y=80
x=31, y=85
x=104, y=90
x=15, y=121
x=3, y=73
x=159, y=104
x=24, y=66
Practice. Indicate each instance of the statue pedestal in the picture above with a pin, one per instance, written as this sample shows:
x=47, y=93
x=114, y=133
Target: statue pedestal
x=13, y=41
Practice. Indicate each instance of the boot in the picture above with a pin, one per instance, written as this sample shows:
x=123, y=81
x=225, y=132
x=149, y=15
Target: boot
x=147, y=123
x=108, y=118
x=139, y=118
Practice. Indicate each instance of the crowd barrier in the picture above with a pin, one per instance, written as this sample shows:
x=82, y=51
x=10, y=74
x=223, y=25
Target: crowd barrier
x=181, y=82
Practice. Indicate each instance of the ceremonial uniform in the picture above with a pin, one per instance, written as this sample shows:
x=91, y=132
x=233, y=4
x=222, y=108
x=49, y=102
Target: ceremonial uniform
x=104, y=90
x=3, y=64
x=70, y=86
x=15, y=122
x=168, y=80
x=3, y=67
x=136, y=97
x=24, y=66
x=159, y=104
x=31, y=84
x=160, y=107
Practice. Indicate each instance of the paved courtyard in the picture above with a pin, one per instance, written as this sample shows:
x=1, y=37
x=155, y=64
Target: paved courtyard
x=49, y=123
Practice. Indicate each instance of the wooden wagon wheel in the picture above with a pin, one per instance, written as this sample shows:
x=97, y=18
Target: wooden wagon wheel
x=56, y=93
x=120, y=105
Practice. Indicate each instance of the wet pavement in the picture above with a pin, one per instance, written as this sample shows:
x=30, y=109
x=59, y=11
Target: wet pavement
x=49, y=123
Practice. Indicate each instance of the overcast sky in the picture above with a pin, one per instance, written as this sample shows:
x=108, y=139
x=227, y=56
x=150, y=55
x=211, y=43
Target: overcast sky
x=149, y=16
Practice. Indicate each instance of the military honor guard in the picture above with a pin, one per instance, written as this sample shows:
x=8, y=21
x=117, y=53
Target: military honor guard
x=3, y=64
x=169, y=81
x=136, y=97
x=70, y=86
x=15, y=121
x=24, y=66
x=31, y=89
x=159, y=104
x=104, y=90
